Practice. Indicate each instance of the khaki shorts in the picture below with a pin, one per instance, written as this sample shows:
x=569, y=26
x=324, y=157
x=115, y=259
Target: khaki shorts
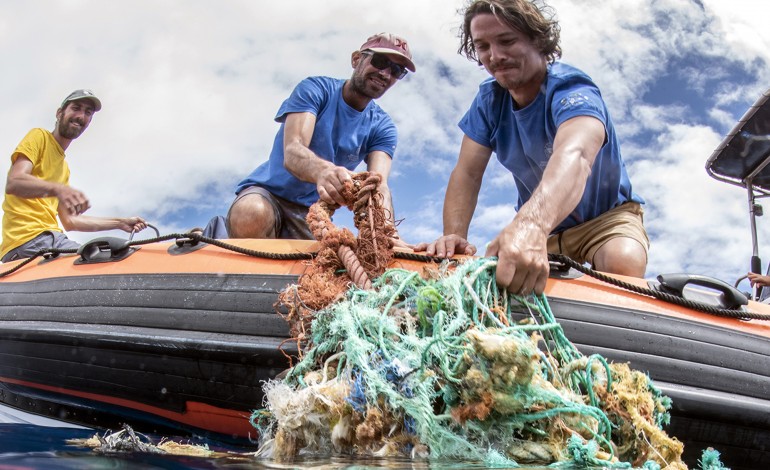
x=289, y=217
x=583, y=241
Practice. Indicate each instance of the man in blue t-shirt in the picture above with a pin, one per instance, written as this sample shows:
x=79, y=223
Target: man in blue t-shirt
x=328, y=126
x=548, y=124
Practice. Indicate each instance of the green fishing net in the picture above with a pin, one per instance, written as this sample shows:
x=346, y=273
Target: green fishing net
x=443, y=365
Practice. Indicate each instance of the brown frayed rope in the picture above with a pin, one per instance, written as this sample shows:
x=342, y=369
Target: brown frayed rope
x=343, y=258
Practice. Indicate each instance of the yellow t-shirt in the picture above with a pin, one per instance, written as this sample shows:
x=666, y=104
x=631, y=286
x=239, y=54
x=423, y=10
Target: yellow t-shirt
x=24, y=219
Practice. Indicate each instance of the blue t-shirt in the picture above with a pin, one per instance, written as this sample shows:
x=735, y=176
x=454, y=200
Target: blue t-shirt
x=342, y=135
x=523, y=139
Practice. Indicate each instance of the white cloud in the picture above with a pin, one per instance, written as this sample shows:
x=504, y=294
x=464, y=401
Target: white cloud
x=190, y=89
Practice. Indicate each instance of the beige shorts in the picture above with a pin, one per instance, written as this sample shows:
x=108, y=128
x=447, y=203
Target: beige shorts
x=583, y=241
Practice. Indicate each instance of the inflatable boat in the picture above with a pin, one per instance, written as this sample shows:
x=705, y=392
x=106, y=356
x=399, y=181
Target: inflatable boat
x=176, y=337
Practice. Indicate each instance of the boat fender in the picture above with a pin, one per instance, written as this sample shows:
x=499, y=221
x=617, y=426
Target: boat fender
x=104, y=250
x=731, y=297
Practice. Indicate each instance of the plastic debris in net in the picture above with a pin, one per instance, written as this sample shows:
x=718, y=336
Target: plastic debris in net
x=445, y=368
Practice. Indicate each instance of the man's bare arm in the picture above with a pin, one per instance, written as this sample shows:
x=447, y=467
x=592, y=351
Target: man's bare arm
x=380, y=162
x=22, y=183
x=85, y=223
x=521, y=246
x=303, y=163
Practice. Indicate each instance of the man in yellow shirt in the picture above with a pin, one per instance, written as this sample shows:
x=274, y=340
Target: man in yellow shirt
x=37, y=189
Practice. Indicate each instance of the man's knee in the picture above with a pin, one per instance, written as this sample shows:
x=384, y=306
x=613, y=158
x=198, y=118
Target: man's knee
x=251, y=217
x=622, y=255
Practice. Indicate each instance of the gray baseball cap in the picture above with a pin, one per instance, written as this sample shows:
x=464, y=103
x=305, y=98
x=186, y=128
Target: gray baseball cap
x=80, y=95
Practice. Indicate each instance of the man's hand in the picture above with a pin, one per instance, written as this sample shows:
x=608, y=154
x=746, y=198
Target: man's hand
x=131, y=224
x=447, y=246
x=330, y=183
x=397, y=242
x=73, y=201
x=758, y=280
x=522, y=265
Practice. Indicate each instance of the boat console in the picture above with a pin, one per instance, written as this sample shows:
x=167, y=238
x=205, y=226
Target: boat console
x=743, y=159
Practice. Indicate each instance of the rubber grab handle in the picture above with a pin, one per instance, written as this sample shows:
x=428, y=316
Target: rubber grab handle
x=100, y=250
x=675, y=283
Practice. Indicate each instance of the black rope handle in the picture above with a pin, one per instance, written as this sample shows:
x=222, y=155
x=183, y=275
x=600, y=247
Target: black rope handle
x=670, y=298
x=45, y=252
x=181, y=238
x=194, y=238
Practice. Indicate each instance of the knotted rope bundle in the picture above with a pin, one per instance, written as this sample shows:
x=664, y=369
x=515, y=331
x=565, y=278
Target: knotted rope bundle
x=363, y=258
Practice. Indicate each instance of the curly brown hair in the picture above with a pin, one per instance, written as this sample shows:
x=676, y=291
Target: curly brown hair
x=533, y=18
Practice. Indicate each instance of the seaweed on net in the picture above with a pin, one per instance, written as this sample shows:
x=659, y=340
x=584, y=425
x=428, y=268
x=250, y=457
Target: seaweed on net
x=444, y=367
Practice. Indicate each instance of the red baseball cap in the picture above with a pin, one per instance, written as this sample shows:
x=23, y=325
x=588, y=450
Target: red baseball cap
x=386, y=43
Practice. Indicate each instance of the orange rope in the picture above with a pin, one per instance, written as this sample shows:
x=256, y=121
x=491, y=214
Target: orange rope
x=363, y=258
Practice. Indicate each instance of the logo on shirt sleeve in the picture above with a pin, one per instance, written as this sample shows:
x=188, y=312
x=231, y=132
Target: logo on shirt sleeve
x=574, y=100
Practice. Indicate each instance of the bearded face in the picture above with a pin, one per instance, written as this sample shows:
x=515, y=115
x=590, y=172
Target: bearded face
x=370, y=81
x=74, y=119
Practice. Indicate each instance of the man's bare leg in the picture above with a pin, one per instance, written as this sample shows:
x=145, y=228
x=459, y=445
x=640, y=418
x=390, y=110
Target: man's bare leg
x=621, y=255
x=252, y=217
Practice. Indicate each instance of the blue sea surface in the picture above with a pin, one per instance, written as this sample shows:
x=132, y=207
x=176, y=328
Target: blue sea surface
x=30, y=442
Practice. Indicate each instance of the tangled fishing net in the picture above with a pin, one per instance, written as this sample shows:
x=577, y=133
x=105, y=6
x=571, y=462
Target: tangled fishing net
x=443, y=365
x=361, y=258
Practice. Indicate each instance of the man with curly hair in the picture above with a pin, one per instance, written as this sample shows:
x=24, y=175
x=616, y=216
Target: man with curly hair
x=548, y=125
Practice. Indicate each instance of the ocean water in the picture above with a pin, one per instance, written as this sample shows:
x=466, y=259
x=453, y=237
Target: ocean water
x=28, y=446
x=30, y=442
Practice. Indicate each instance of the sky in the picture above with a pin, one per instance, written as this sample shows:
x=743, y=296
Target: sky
x=190, y=88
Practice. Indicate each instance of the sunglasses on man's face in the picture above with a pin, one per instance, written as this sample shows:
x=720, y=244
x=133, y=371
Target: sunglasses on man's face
x=381, y=62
